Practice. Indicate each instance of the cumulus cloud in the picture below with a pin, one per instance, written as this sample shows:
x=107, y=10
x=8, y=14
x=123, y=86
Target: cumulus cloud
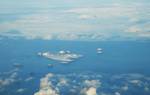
x=46, y=87
x=62, y=82
x=92, y=83
x=29, y=79
x=90, y=87
x=8, y=78
x=89, y=91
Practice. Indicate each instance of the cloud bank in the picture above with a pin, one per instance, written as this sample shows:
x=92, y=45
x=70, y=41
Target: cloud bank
x=93, y=84
x=94, y=20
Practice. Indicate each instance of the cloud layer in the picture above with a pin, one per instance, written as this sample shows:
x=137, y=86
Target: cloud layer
x=95, y=84
x=95, y=20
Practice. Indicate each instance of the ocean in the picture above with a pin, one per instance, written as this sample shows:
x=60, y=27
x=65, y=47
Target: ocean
x=124, y=58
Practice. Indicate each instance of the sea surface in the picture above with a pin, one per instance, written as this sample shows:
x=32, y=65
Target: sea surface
x=129, y=60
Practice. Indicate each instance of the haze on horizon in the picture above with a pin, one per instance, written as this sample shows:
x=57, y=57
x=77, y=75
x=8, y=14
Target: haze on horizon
x=96, y=20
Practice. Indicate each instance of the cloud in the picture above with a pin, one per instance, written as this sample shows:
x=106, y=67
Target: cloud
x=57, y=84
x=146, y=89
x=135, y=75
x=29, y=79
x=89, y=91
x=12, y=77
x=103, y=12
x=46, y=87
x=92, y=83
x=21, y=90
x=125, y=88
x=110, y=21
x=42, y=26
x=117, y=93
x=136, y=82
x=90, y=87
x=84, y=16
x=63, y=82
x=134, y=29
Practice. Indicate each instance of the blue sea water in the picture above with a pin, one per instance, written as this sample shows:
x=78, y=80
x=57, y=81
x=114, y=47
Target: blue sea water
x=118, y=58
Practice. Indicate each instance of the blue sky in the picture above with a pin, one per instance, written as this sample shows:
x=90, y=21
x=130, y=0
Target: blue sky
x=95, y=20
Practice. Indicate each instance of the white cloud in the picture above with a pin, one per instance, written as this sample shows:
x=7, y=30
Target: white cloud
x=134, y=29
x=125, y=88
x=117, y=93
x=73, y=20
x=7, y=81
x=139, y=30
x=42, y=26
x=99, y=23
x=84, y=16
x=46, y=87
x=104, y=12
x=92, y=83
x=29, y=79
x=136, y=82
x=21, y=90
x=89, y=85
x=89, y=91
x=62, y=82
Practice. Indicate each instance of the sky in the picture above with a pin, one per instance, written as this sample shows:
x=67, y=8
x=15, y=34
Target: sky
x=87, y=20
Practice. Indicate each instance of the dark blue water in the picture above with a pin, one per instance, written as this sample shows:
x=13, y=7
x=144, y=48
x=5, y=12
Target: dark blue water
x=118, y=57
